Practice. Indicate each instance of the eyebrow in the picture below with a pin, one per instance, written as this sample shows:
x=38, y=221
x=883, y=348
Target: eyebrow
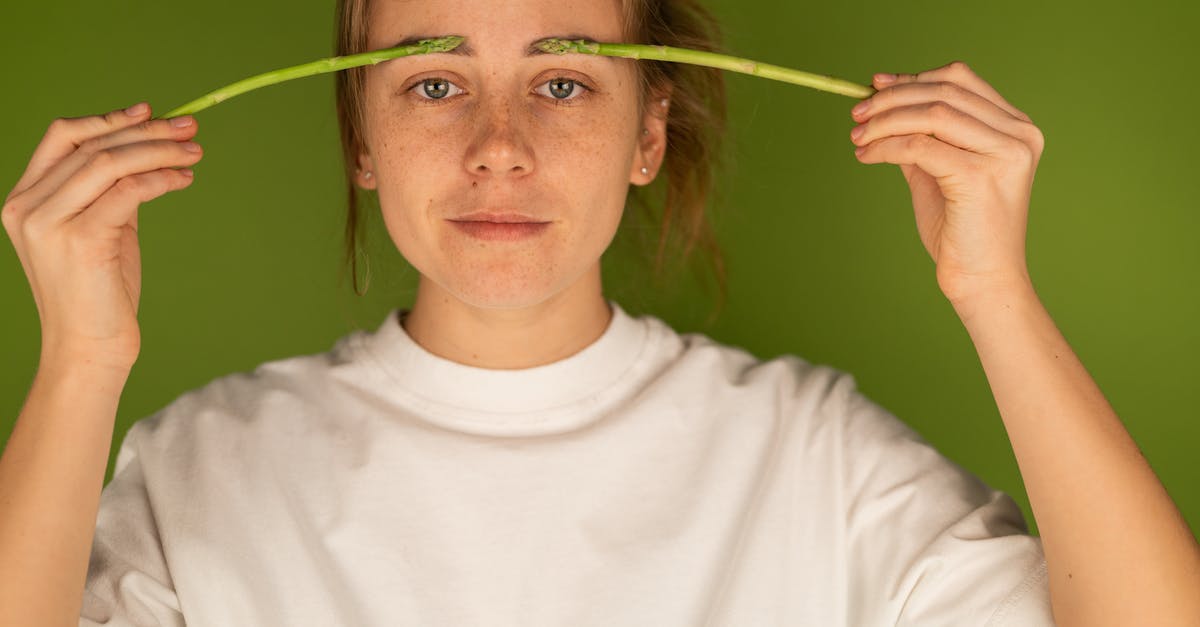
x=465, y=49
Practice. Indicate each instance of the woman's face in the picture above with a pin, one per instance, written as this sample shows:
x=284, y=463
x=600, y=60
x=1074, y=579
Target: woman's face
x=558, y=138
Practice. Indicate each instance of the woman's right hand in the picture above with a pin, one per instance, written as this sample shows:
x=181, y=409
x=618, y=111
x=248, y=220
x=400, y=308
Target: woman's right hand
x=72, y=218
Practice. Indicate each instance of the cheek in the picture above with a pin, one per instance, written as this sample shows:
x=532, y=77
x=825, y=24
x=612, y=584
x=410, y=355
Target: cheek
x=417, y=159
x=587, y=157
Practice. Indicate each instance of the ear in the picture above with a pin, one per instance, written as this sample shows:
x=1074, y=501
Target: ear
x=652, y=138
x=365, y=165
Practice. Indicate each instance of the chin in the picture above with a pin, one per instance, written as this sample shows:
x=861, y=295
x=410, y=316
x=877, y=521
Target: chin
x=506, y=287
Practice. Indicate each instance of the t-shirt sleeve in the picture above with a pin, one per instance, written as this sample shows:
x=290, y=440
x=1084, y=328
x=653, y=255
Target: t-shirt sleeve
x=929, y=543
x=128, y=583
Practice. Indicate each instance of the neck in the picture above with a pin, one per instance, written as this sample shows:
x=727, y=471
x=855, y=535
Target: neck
x=549, y=331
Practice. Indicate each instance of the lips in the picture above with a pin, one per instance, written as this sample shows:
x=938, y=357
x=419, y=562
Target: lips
x=502, y=231
x=498, y=217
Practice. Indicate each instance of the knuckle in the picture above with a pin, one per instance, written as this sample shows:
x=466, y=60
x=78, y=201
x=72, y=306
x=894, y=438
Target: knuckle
x=89, y=146
x=1021, y=144
x=1036, y=139
x=113, y=118
x=11, y=219
x=942, y=110
x=128, y=185
x=33, y=227
x=14, y=204
x=57, y=126
x=100, y=160
x=155, y=183
x=147, y=126
x=1022, y=150
x=960, y=67
x=918, y=142
x=947, y=91
x=8, y=214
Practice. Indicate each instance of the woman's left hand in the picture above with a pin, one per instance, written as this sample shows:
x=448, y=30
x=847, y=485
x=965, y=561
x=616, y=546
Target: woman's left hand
x=969, y=158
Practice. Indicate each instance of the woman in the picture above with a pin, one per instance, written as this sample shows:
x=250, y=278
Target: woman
x=515, y=449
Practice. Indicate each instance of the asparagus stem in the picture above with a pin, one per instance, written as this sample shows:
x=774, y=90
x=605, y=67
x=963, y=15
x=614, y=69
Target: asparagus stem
x=321, y=66
x=555, y=46
x=708, y=59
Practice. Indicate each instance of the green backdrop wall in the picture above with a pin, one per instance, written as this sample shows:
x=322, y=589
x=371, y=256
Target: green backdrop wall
x=824, y=258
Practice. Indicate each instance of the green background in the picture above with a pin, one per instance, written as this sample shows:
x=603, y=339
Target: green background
x=824, y=258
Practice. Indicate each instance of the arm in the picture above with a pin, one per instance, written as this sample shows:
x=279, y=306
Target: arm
x=72, y=219
x=51, y=476
x=1117, y=550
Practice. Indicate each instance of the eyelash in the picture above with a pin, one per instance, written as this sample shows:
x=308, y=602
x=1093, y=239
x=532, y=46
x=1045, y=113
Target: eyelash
x=587, y=91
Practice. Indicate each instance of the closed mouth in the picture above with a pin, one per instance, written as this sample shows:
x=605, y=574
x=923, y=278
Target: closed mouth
x=498, y=218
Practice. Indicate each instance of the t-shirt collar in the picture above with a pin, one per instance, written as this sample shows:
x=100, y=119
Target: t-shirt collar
x=442, y=385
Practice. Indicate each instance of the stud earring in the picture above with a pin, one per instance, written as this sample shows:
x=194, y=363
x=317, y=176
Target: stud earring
x=367, y=174
x=645, y=131
x=644, y=170
x=664, y=102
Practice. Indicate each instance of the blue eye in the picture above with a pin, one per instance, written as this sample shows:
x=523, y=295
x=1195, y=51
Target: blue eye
x=434, y=88
x=562, y=88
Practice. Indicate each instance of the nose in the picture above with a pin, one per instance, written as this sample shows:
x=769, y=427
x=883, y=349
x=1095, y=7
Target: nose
x=500, y=147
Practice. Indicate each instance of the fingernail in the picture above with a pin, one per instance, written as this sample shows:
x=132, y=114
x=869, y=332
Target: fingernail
x=884, y=79
x=191, y=146
x=181, y=122
x=860, y=108
x=137, y=109
x=186, y=172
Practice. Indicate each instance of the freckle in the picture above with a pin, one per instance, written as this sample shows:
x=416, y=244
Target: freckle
x=1068, y=575
x=474, y=183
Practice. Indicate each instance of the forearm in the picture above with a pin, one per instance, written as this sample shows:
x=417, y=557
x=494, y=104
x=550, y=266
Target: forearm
x=1117, y=549
x=51, y=476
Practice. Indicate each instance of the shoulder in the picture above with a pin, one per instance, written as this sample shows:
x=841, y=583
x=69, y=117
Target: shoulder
x=242, y=409
x=787, y=380
x=818, y=405
x=787, y=400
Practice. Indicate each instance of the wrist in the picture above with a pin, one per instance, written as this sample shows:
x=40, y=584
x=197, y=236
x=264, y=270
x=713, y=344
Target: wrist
x=65, y=359
x=974, y=300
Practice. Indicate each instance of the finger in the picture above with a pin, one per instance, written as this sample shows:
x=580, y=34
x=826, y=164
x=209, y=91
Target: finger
x=118, y=205
x=178, y=129
x=958, y=72
x=932, y=155
x=943, y=121
x=103, y=168
x=951, y=93
x=64, y=136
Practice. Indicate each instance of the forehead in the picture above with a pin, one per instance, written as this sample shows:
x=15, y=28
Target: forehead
x=504, y=27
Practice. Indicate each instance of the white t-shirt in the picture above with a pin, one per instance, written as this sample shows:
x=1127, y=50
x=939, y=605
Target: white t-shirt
x=652, y=478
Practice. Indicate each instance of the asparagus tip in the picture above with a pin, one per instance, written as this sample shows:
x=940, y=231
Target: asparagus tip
x=563, y=46
x=442, y=44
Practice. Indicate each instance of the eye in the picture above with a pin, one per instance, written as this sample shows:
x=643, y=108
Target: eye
x=562, y=88
x=433, y=88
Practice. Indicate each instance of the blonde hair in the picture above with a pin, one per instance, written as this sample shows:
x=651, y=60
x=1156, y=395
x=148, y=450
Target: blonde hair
x=695, y=127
